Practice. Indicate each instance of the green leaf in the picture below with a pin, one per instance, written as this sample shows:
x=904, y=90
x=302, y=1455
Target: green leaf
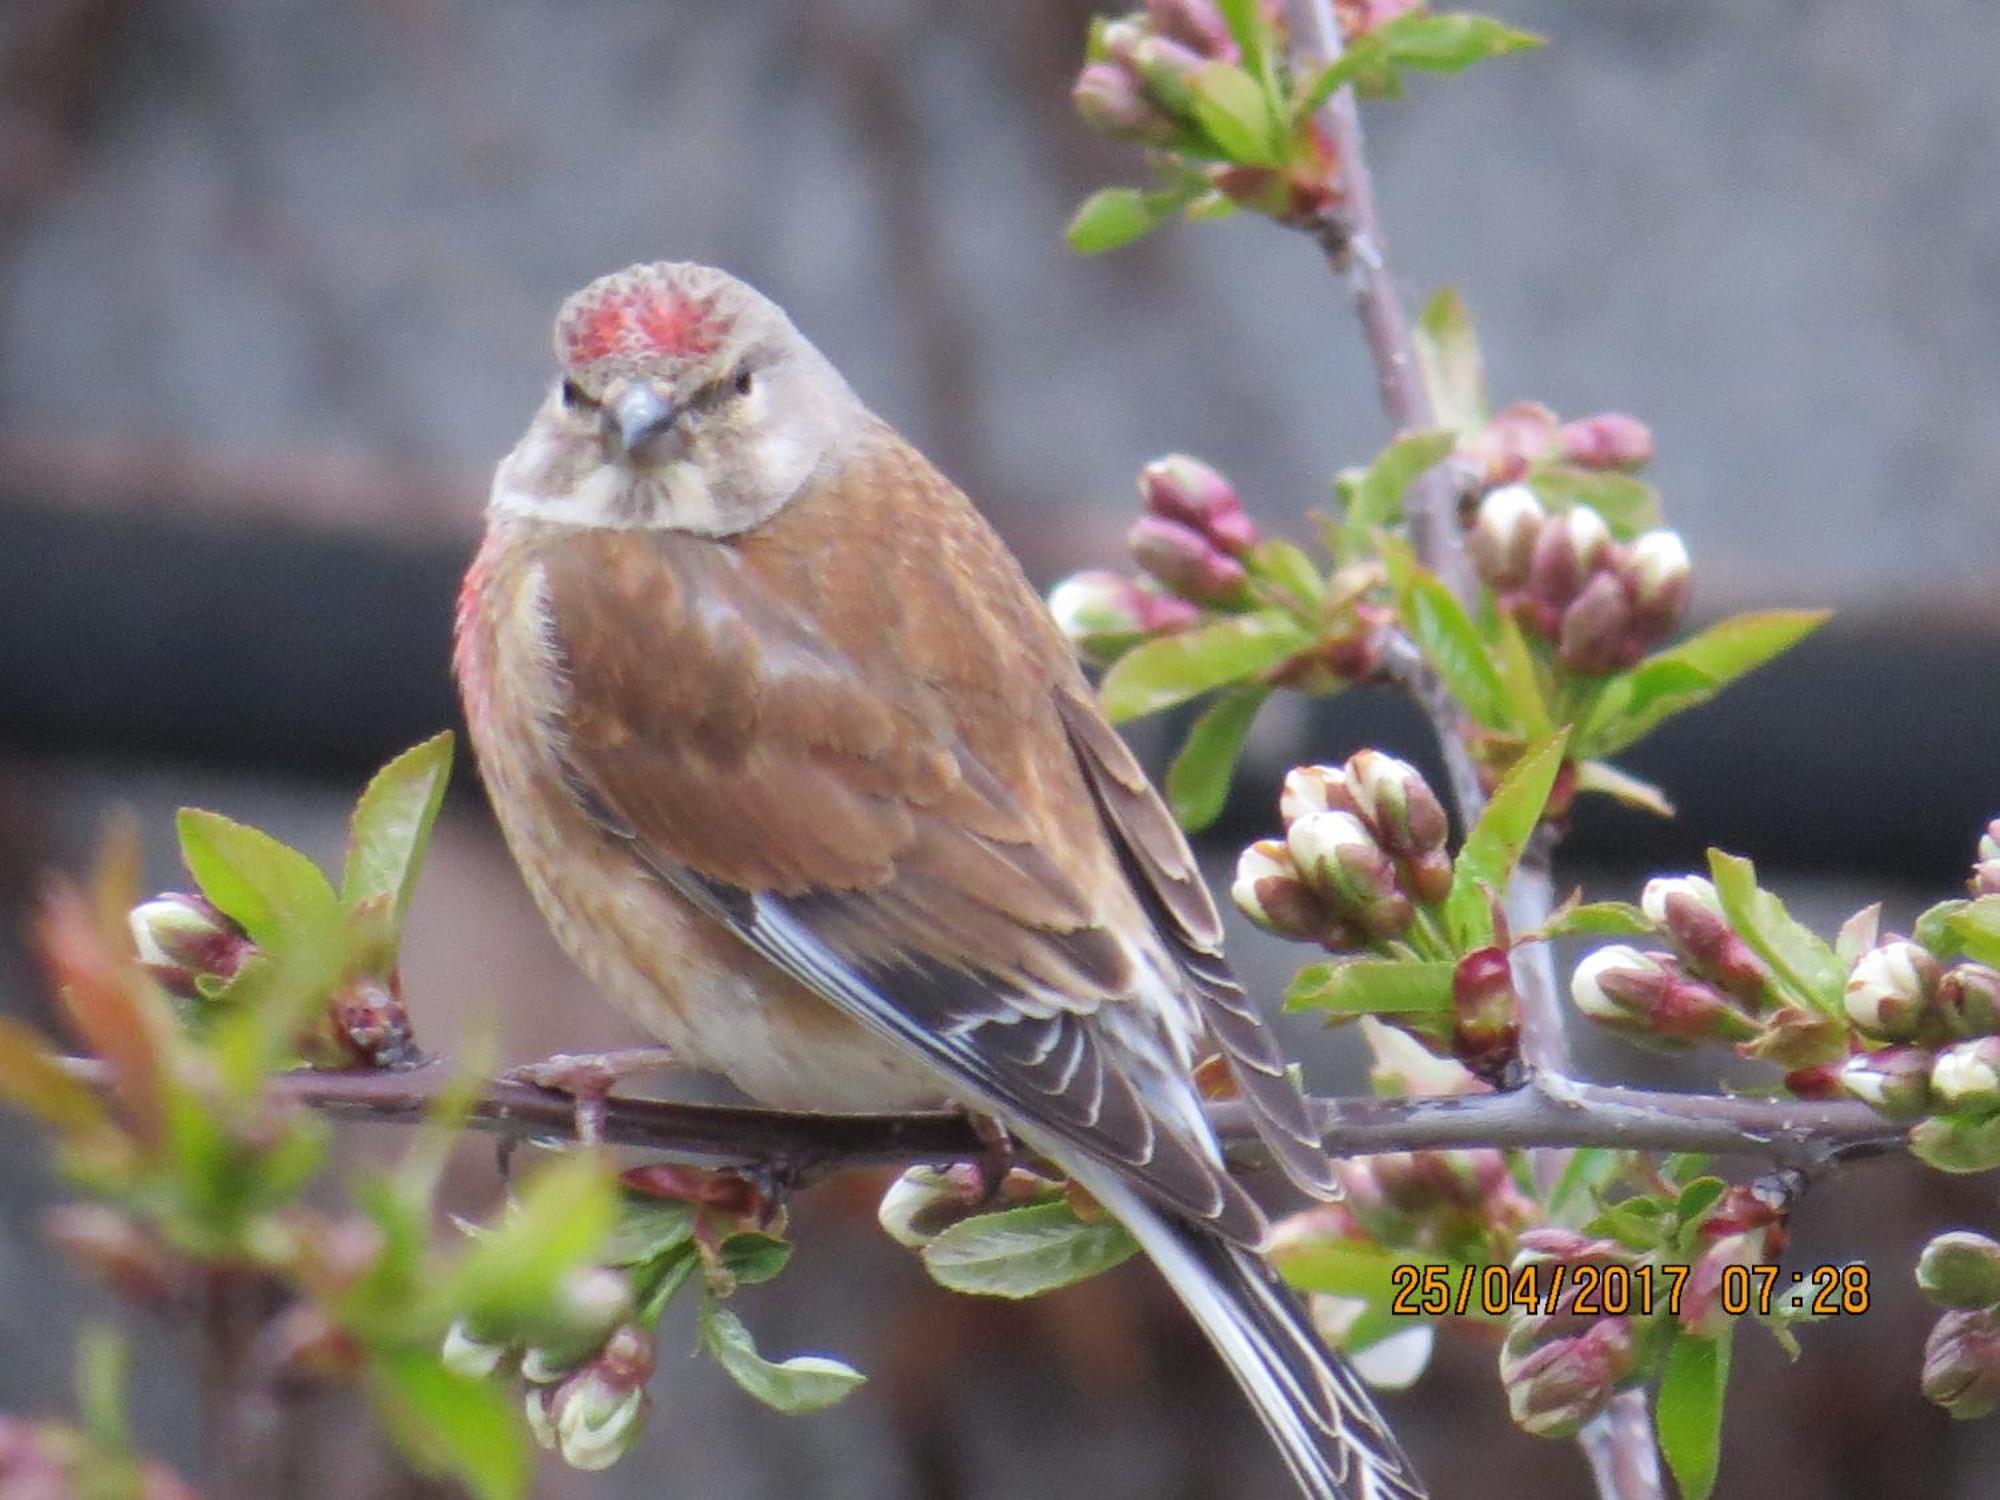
x=1449, y=640
x=1603, y=777
x=1178, y=667
x=1597, y=919
x=511, y=1275
x=647, y=1228
x=1690, y=1411
x=1287, y=566
x=1416, y=39
x=1112, y=218
x=1448, y=360
x=447, y=1423
x=1627, y=504
x=1494, y=846
x=1957, y=1143
x=35, y=1082
x=103, y=1373
x=1245, y=21
x=392, y=827
x=1697, y=1198
x=1374, y=495
x=749, y=1257
x=1024, y=1252
x=1803, y=962
x=1975, y=930
x=271, y=889
x=1235, y=112
x=1526, y=703
x=1373, y=986
x=1198, y=780
x=1668, y=682
x=804, y=1383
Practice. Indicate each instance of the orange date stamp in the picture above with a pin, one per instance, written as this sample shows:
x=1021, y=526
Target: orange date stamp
x=1433, y=1291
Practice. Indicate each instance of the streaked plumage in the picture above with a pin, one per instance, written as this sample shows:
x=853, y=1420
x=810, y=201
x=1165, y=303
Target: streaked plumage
x=805, y=778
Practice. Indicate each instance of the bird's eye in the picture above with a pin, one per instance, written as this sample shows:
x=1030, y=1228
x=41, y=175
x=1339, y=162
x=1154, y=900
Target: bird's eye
x=574, y=397
x=742, y=382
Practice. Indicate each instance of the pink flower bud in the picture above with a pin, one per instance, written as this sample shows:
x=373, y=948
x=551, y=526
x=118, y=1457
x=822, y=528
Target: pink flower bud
x=1895, y=1080
x=181, y=939
x=1688, y=908
x=1486, y=1031
x=1960, y=1269
x=1891, y=991
x=1110, y=98
x=1557, y=1384
x=1183, y=489
x=1609, y=440
x=1427, y=877
x=1168, y=69
x=1311, y=789
x=1501, y=540
x=1398, y=805
x=1346, y=869
x=1746, y=1227
x=1194, y=23
x=1105, y=614
x=1571, y=548
x=1962, y=1362
x=1658, y=578
x=1505, y=449
x=1649, y=993
x=1185, y=561
x=1968, y=999
x=1269, y=891
x=1986, y=872
x=1591, y=639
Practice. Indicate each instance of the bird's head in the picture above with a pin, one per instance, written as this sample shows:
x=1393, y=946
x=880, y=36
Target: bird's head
x=686, y=401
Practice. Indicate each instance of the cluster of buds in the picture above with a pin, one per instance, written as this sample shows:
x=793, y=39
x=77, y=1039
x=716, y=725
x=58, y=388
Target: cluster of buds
x=49, y=1461
x=1194, y=534
x=1363, y=847
x=1458, y=1204
x=1937, y=1027
x=1561, y=1367
x=1746, y=1227
x=1526, y=434
x=1960, y=1272
x=1567, y=580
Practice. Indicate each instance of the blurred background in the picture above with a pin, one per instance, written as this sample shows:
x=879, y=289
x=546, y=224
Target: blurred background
x=275, y=283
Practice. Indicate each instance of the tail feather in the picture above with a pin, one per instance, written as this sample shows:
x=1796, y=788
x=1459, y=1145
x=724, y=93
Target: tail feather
x=1335, y=1442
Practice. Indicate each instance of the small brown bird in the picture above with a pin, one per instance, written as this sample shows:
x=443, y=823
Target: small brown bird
x=806, y=780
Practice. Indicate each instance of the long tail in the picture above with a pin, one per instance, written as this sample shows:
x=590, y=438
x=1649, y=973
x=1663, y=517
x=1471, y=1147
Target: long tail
x=1335, y=1442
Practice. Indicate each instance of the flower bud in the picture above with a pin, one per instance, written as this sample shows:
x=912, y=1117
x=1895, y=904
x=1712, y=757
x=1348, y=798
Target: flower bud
x=1359, y=17
x=1960, y=1269
x=1109, y=97
x=1746, y=1227
x=181, y=938
x=589, y=1303
x=1968, y=999
x=1986, y=872
x=1502, y=452
x=1501, y=541
x=1194, y=23
x=924, y=1202
x=595, y=1416
x=1344, y=867
x=1486, y=1031
x=1648, y=993
x=1557, y=1384
x=1185, y=561
x=1891, y=991
x=1962, y=1363
x=1183, y=489
x=1311, y=789
x=464, y=1353
x=1398, y=805
x=1404, y=1067
x=1967, y=1076
x=1427, y=877
x=1591, y=638
x=1270, y=893
x=1609, y=440
x=1103, y=614
x=1168, y=69
x=1895, y=1080
x=1687, y=907
x=1571, y=548
x=1658, y=577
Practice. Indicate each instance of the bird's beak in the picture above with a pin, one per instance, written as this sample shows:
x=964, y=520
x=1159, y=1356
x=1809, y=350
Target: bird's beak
x=642, y=414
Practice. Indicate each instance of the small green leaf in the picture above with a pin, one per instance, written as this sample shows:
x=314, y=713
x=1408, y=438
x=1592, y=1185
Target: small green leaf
x=1527, y=704
x=1667, y=682
x=1803, y=962
x=647, y=1228
x=804, y=1383
x=1933, y=929
x=1374, y=495
x=1373, y=986
x=1957, y=1143
x=1690, y=1411
x=1448, y=43
x=1235, y=112
x=1112, y=218
x=1449, y=640
x=1245, y=20
x=1494, y=846
x=1602, y=777
x=1975, y=930
x=1448, y=359
x=749, y=1257
x=559, y=1224
x=392, y=827
x=1597, y=919
x=1287, y=566
x=270, y=888
x=1178, y=667
x=1198, y=780
x=1698, y=1197
x=448, y=1423
x=1628, y=505
x=1024, y=1252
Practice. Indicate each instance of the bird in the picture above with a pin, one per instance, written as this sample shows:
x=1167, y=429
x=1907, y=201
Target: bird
x=806, y=780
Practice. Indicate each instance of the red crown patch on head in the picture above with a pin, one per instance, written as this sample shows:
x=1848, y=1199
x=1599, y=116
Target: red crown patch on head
x=636, y=315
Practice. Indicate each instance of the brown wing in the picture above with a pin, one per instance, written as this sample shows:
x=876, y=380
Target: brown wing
x=836, y=734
